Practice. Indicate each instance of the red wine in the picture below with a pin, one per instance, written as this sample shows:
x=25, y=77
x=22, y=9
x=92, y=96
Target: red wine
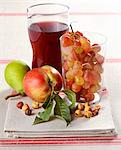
x=44, y=37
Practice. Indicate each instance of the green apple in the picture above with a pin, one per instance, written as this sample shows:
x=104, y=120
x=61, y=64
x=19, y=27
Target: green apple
x=14, y=74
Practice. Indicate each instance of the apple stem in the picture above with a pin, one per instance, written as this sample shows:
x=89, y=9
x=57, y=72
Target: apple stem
x=52, y=90
x=12, y=95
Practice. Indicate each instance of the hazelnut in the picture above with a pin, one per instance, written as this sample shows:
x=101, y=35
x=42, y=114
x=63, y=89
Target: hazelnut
x=78, y=113
x=40, y=104
x=97, y=107
x=80, y=106
x=28, y=112
x=86, y=104
x=20, y=105
x=35, y=105
x=87, y=107
x=88, y=114
x=25, y=107
x=95, y=112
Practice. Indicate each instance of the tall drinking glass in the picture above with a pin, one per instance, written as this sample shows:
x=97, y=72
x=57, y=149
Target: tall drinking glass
x=46, y=23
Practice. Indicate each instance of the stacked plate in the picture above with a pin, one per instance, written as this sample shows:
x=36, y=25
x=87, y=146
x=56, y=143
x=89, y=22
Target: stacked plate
x=17, y=124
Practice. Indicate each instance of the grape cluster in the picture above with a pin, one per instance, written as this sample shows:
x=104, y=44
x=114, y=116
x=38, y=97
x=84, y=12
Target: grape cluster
x=81, y=64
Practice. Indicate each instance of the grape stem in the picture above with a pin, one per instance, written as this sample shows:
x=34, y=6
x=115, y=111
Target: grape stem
x=71, y=28
x=12, y=95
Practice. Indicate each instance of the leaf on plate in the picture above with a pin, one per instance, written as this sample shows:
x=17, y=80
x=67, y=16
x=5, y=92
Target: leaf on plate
x=61, y=118
x=45, y=115
x=62, y=110
x=71, y=96
x=49, y=99
x=37, y=120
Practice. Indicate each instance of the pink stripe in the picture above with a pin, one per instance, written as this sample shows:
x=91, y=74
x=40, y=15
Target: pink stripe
x=61, y=142
x=65, y=139
x=95, y=13
x=13, y=14
x=108, y=60
x=71, y=13
x=5, y=61
x=71, y=140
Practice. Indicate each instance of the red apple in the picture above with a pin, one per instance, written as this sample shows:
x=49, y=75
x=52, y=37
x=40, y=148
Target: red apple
x=36, y=85
x=54, y=76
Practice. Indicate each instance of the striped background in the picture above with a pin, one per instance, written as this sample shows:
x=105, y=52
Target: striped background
x=100, y=16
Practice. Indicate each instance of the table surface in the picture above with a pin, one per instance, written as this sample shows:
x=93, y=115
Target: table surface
x=113, y=83
x=98, y=16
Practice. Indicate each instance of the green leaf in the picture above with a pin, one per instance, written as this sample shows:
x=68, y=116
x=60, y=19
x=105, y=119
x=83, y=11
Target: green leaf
x=46, y=103
x=45, y=115
x=37, y=121
x=62, y=109
x=61, y=118
x=71, y=96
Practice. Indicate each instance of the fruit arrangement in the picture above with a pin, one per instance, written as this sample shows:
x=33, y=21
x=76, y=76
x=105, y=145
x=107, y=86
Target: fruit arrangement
x=82, y=65
x=43, y=86
x=82, y=69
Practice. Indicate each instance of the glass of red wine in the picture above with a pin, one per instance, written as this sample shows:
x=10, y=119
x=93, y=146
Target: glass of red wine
x=46, y=24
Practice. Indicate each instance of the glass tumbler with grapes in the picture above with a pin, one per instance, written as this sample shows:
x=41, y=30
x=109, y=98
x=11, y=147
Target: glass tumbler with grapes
x=82, y=57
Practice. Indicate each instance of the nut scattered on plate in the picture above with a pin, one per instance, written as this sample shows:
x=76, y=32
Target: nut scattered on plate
x=28, y=112
x=20, y=105
x=35, y=105
x=24, y=107
x=86, y=110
